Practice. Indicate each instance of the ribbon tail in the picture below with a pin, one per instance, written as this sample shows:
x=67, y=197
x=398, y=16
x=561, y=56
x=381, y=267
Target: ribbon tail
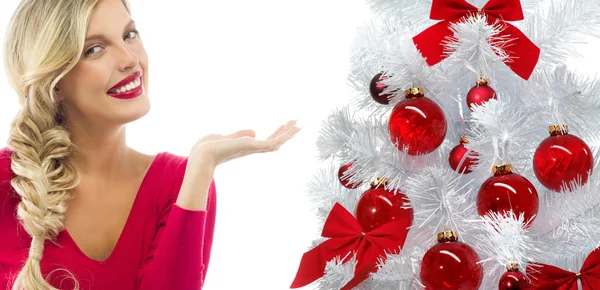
x=523, y=54
x=431, y=42
x=313, y=263
x=359, y=276
x=366, y=262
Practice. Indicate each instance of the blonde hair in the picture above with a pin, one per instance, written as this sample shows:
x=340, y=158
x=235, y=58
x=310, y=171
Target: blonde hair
x=44, y=41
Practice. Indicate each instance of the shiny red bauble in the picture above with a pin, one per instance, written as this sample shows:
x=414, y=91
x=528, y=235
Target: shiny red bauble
x=507, y=191
x=376, y=89
x=417, y=123
x=513, y=280
x=345, y=180
x=456, y=157
x=480, y=93
x=562, y=158
x=451, y=264
x=378, y=206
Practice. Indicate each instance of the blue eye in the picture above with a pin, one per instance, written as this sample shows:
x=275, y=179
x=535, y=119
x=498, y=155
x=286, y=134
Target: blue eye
x=90, y=51
x=137, y=33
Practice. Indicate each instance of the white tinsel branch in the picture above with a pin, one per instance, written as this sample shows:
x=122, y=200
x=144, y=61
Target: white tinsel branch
x=441, y=200
x=504, y=240
x=500, y=135
x=569, y=220
x=565, y=23
x=476, y=47
x=335, y=133
x=562, y=97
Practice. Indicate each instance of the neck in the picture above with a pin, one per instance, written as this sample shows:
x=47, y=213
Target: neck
x=99, y=150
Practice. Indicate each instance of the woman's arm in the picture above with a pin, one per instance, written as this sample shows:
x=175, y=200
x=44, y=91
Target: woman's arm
x=179, y=259
x=194, y=189
x=180, y=253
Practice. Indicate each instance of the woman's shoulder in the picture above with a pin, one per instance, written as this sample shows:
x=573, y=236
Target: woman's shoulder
x=170, y=164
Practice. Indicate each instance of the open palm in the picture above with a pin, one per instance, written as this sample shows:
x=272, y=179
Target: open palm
x=216, y=149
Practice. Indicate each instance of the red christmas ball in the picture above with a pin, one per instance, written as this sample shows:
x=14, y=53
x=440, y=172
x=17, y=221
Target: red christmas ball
x=562, y=158
x=376, y=89
x=345, y=180
x=378, y=206
x=418, y=123
x=480, y=93
x=513, y=280
x=458, y=153
x=451, y=265
x=508, y=191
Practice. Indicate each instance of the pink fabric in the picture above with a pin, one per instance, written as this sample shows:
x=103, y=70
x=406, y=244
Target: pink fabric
x=162, y=245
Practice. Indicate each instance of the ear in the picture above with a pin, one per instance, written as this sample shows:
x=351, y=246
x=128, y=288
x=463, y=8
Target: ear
x=58, y=95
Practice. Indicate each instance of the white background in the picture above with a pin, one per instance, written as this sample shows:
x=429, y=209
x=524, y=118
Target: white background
x=220, y=66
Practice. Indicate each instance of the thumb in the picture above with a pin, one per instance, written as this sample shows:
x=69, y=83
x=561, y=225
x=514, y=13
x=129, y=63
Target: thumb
x=243, y=133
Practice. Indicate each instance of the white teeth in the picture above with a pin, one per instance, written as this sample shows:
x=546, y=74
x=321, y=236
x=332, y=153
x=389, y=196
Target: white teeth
x=130, y=86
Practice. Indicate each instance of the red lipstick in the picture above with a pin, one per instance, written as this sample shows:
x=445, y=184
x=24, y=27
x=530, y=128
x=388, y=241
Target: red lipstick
x=130, y=94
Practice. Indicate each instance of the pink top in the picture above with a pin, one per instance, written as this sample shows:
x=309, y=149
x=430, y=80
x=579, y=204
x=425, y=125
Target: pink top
x=162, y=246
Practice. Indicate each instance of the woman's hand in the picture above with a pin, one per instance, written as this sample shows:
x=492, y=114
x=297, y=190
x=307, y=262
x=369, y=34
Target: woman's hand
x=215, y=149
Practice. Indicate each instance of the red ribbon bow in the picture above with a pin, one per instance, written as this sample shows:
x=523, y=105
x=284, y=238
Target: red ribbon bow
x=546, y=277
x=346, y=236
x=524, y=55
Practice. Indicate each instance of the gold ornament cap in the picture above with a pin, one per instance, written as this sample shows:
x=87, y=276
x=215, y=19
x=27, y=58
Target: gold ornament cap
x=447, y=236
x=512, y=267
x=502, y=169
x=379, y=182
x=414, y=93
x=464, y=140
x=558, y=129
x=481, y=81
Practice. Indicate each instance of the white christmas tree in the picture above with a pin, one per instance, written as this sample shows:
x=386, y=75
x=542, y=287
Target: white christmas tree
x=467, y=159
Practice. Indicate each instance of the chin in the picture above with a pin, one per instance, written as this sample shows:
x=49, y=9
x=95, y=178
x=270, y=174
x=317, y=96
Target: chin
x=134, y=110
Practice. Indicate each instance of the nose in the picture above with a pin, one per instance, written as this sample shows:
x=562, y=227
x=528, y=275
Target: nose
x=127, y=60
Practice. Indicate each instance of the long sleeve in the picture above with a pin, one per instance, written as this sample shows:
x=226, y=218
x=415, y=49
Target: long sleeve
x=180, y=252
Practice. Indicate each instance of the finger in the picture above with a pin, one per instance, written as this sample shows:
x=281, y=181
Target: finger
x=277, y=132
x=283, y=128
x=277, y=142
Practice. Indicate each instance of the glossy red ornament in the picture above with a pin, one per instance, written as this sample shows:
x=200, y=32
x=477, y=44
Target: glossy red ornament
x=345, y=180
x=451, y=264
x=458, y=153
x=562, y=158
x=508, y=191
x=513, y=279
x=376, y=88
x=480, y=93
x=417, y=122
x=378, y=206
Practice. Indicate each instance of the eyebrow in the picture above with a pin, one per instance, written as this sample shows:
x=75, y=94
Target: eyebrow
x=100, y=36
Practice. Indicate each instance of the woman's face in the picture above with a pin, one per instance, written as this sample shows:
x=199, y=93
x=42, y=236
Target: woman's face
x=112, y=52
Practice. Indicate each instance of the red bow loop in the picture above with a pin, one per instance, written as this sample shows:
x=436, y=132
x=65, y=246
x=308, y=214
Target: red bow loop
x=547, y=277
x=507, y=10
x=522, y=53
x=346, y=237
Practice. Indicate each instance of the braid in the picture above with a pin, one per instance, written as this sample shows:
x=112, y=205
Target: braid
x=44, y=178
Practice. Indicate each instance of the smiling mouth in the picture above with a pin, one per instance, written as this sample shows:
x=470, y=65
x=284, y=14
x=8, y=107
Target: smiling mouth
x=128, y=87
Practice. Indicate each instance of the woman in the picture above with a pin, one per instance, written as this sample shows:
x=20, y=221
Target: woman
x=79, y=209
